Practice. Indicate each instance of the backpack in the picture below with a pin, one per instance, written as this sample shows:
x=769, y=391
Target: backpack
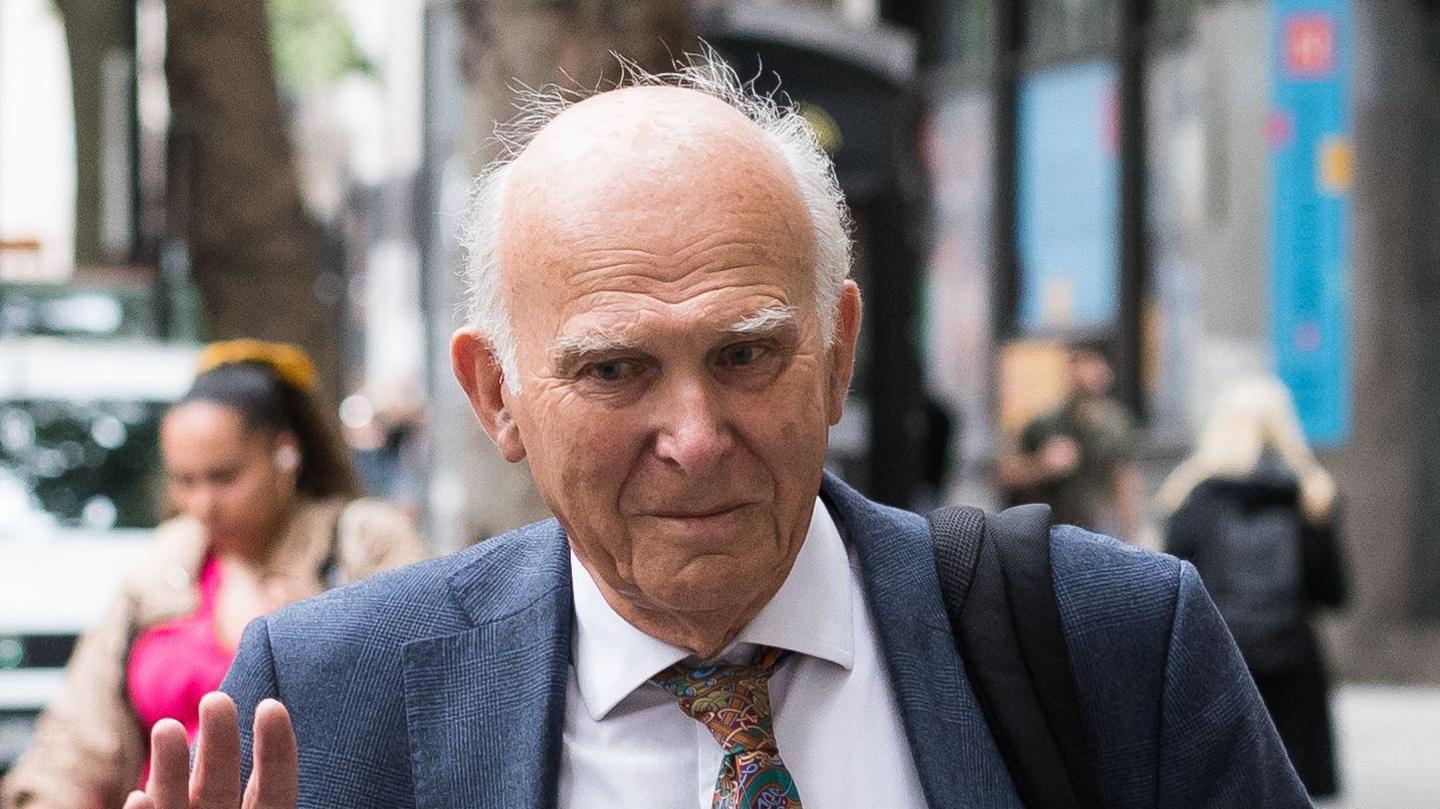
x=999, y=594
x=1255, y=579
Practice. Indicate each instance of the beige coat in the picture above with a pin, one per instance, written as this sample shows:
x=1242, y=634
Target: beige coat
x=89, y=748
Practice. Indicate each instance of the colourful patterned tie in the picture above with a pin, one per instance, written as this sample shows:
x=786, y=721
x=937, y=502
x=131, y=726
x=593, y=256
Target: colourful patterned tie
x=734, y=703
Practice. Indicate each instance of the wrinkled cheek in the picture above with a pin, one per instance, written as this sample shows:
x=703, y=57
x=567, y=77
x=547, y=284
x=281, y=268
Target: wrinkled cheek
x=804, y=438
x=797, y=467
x=590, y=464
x=589, y=472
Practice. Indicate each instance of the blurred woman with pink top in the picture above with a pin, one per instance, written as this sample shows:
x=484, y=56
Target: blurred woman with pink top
x=269, y=513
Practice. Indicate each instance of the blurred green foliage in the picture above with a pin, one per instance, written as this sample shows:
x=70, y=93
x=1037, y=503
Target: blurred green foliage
x=313, y=45
x=92, y=464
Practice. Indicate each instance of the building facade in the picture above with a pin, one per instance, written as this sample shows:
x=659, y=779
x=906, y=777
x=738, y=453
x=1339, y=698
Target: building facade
x=1215, y=189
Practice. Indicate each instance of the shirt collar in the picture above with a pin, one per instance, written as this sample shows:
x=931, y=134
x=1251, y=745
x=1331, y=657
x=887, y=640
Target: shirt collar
x=809, y=614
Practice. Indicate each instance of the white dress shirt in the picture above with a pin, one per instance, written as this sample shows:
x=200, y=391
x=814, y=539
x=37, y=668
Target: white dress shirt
x=628, y=745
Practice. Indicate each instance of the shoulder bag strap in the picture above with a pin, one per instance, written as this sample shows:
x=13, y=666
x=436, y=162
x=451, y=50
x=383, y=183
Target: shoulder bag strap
x=1001, y=601
x=1022, y=538
x=956, y=532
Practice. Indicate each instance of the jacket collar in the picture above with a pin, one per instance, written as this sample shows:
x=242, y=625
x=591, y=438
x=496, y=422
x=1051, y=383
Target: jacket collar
x=309, y=537
x=954, y=753
x=485, y=707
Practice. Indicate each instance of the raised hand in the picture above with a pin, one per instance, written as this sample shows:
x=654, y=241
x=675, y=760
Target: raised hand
x=215, y=783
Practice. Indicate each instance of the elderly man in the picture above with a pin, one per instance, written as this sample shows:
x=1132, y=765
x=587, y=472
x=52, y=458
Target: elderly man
x=661, y=324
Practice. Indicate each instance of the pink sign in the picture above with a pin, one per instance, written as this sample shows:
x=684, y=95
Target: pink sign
x=1309, y=45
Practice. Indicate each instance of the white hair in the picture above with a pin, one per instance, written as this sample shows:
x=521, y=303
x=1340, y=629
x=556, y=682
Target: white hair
x=1252, y=415
x=783, y=127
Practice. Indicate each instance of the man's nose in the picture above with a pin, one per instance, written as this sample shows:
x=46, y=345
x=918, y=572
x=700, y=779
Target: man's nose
x=693, y=432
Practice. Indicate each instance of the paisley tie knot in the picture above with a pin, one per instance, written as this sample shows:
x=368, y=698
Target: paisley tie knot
x=733, y=703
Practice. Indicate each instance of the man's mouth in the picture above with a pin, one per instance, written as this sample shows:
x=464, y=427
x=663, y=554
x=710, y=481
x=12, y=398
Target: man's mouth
x=701, y=513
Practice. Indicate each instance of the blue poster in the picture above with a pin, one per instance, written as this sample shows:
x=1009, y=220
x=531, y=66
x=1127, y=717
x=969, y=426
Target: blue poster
x=1311, y=160
x=1068, y=196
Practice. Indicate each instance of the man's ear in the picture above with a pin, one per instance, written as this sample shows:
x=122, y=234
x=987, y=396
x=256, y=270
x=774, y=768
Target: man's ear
x=478, y=370
x=842, y=350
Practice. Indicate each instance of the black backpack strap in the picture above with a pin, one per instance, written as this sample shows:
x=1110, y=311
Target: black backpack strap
x=1006, y=623
x=956, y=532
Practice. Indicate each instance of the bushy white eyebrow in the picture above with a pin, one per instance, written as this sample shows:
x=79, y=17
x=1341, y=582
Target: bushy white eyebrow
x=594, y=342
x=766, y=321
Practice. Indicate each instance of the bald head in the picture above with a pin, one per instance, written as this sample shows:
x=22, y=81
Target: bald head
x=633, y=119
x=664, y=145
x=652, y=166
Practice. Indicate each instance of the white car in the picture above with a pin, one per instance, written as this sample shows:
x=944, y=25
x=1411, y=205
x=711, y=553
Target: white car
x=80, y=489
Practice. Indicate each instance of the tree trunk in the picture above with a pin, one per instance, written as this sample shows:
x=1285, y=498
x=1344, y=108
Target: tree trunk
x=256, y=255
x=97, y=32
x=568, y=44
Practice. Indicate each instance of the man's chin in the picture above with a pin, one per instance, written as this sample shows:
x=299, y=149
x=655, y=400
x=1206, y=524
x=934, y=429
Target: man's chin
x=708, y=586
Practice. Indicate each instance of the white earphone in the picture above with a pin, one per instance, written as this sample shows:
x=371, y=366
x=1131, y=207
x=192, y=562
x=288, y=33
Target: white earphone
x=287, y=458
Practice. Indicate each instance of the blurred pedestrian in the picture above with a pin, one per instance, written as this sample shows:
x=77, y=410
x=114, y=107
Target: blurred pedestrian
x=1079, y=458
x=1256, y=514
x=269, y=513
x=386, y=442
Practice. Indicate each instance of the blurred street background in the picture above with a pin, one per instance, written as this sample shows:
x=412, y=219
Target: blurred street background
x=1205, y=188
x=1387, y=747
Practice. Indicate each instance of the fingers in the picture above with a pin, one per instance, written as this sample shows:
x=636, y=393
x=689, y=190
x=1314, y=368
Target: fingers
x=275, y=780
x=217, y=763
x=274, y=783
x=169, y=786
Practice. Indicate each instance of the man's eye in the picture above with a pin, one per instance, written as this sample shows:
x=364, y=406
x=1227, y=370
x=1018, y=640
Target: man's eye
x=739, y=356
x=610, y=370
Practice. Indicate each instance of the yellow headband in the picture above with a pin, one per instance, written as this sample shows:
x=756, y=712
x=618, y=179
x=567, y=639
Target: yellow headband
x=289, y=362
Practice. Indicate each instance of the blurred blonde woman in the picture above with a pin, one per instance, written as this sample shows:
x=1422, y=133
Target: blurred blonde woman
x=1255, y=513
x=269, y=512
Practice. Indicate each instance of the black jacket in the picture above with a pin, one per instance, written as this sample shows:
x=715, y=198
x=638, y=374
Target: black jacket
x=1266, y=565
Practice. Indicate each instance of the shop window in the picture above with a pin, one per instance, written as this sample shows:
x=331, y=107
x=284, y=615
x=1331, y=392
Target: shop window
x=1068, y=197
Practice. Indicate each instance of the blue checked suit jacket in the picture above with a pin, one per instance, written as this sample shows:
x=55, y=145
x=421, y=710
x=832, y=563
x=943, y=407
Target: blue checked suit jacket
x=442, y=685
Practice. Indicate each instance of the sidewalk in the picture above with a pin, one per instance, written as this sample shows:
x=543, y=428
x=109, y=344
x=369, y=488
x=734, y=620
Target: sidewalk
x=1389, y=747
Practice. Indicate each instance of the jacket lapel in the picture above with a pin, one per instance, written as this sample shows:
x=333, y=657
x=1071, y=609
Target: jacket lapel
x=955, y=755
x=485, y=707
